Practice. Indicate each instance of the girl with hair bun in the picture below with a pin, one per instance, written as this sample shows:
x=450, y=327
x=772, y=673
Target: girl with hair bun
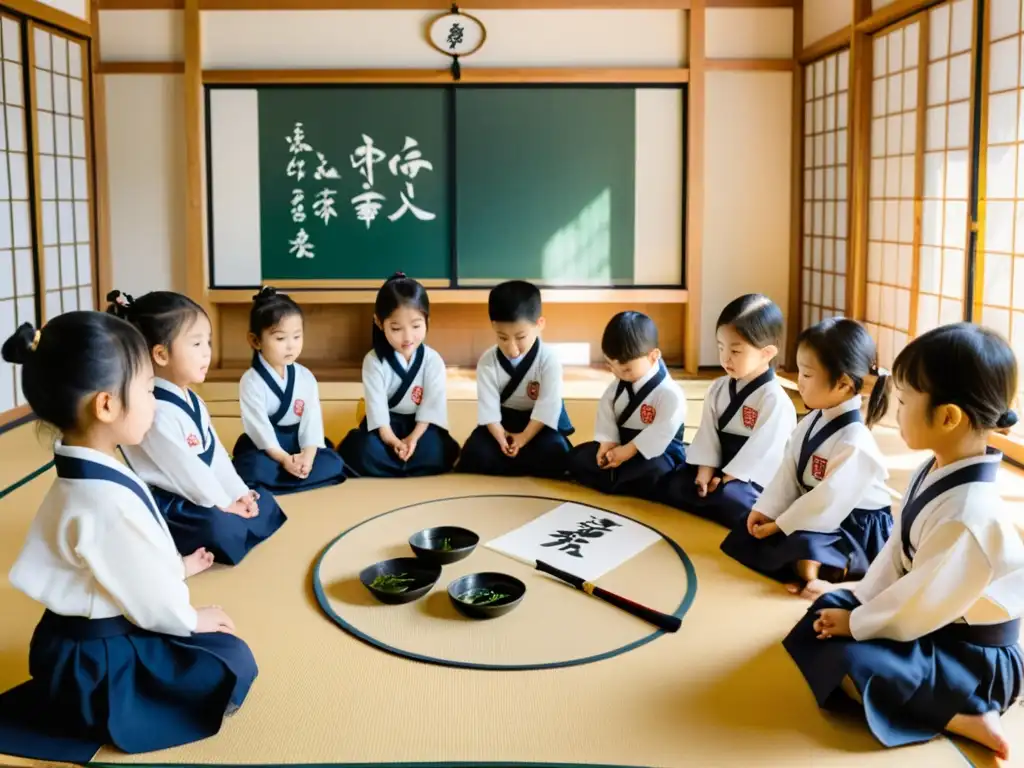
x=120, y=656
x=282, y=448
x=928, y=642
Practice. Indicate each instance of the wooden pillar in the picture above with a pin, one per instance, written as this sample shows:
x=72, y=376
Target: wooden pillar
x=695, y=186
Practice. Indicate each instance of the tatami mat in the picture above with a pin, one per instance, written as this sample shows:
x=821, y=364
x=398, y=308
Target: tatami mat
x=720, y=692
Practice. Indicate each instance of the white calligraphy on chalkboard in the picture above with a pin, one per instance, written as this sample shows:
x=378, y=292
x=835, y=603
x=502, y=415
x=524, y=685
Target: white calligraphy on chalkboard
x=368, y=203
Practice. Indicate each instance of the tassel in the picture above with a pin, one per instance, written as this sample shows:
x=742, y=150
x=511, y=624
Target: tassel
x=456, y=69
x=455, y=8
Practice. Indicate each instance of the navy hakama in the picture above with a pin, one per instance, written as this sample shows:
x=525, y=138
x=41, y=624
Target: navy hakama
x=546, y=455
x=849, y=550
x=227, y=536
x=106, y=681
x=259, y=470
x=911, y=690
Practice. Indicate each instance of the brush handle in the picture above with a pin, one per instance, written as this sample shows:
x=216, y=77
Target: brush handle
x=663, y=621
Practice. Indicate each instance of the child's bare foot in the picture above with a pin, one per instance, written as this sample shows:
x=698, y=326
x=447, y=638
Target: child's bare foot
x=985, y=729
x=197, y=562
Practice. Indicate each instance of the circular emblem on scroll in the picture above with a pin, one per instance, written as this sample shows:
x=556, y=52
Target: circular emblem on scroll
x=456, y=34
x=533, y=390
x=647, y=414
x=417, y=395
x=299, y=407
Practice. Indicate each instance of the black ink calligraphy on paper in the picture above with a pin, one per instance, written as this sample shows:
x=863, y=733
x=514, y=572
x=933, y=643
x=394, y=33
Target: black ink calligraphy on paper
x=455, y=35
x=586, y=530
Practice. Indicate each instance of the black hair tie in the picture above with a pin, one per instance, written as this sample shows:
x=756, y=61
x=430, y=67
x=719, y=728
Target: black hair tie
x=1007, y=420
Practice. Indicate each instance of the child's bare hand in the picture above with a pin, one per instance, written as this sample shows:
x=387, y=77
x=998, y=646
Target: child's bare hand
x=704, y=480
x=212, y=618
x=616, y=457
x=293, y=467
x=400, y=449
x=410, y=448
x=754, y=519
x=832, y=622
x=516, y=443
x=197, y=562
x=305, y=460
x=602, y=452
x=238, y=507
x=764, y=530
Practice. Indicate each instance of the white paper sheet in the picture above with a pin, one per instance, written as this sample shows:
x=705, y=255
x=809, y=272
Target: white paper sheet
x=584, y=541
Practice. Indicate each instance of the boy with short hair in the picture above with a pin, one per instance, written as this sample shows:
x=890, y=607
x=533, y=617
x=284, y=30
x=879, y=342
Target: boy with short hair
x=639, y=432
x=522, y=421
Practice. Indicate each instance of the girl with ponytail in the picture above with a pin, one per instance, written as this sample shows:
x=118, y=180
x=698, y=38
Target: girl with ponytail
x=826, y=514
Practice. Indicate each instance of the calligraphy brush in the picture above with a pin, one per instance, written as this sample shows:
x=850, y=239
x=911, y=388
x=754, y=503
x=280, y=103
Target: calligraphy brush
x=663, y=621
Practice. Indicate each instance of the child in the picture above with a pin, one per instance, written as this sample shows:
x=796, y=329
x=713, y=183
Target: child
x=195, y=486
x=405, y=431
x=748, y=417
x=522, y=421
x=283, y=447
x=639, y=432
x=825, y=515
x=120, y=656
x=928, y=641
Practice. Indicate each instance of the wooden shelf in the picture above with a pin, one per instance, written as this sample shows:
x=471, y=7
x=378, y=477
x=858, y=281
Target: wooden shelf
x=470, y=296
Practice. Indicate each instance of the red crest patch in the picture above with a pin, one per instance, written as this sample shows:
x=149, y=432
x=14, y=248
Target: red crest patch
x=647, y=414
x=818, y=467
x=417, y=395
x=299, y=407
x=192, y=441
x=749, y=417
x=533, y=390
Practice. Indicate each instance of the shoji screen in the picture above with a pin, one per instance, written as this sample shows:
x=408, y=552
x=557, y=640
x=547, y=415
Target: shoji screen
x=893, y=187
x=999, y=301
x=825, y=188
x=17, y=268
x=918, y=215
x=61, y=119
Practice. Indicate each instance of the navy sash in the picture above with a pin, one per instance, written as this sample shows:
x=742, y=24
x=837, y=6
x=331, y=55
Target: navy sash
x=973, y=473
x=516, y=372
x=811, y=444
x=82, y=628
x=283, y=395
x=82, y=469
x=196, y=414
x=407, y=377
x=737, y=399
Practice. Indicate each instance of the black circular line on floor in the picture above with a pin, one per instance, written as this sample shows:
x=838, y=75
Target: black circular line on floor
x=680, y=611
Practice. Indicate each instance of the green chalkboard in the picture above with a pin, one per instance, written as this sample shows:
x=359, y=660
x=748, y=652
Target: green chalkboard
x=545, y=183
x=354, y=182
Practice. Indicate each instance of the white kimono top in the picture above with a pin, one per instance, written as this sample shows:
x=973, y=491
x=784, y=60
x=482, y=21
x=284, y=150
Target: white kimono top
x=181, y=453
x=654, y=406
x=832, y=466
x=418, y=386
x=955, y=557
x=262, y=394
x=98, y=548
x=758, y=410
x=532, y=383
